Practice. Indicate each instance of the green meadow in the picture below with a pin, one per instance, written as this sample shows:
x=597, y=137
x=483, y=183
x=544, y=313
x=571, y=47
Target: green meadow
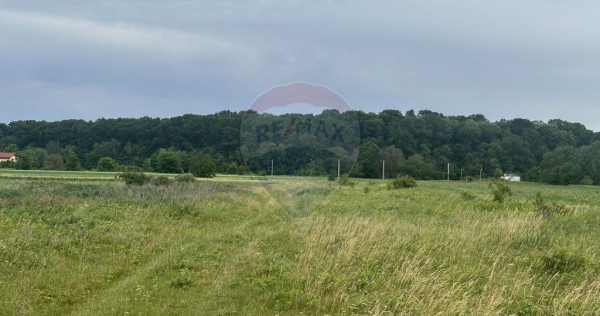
x=293, y=245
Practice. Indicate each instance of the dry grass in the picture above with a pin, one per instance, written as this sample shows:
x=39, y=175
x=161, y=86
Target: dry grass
x=295, y=245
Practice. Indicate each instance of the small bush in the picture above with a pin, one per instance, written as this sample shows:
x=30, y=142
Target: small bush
x=587, y=181
x=404, y=182
x=331, y=176
x=242, y=170
x=203, y=166
x=7, y=164
x=367, y=189
x=467, y=195
x=107, y=164
x=500, y=191
x=185, y=178
x=162, y=181
x=132, y=168
x=181, y=282
x=262, y=173
x=498, y=173
x=563, y=261
x=134, y=178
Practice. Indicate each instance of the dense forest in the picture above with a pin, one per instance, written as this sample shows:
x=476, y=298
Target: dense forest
x=418, y=144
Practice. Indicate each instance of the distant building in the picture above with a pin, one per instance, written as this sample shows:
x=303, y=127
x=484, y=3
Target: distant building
x=511, y=177
x=8, y=157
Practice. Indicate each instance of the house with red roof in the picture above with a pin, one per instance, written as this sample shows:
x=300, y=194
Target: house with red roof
x=8, y=157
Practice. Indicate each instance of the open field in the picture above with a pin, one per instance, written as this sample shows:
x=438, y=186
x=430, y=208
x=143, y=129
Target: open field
x=97, y=175
x=12, y=173
x=284, y=246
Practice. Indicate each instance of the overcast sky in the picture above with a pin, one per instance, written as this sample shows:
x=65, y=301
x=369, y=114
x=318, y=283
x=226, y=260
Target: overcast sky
x=111, y=58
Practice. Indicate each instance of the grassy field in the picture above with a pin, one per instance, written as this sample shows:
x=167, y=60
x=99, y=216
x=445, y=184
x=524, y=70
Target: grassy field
x=51, y=174
x=285, y=246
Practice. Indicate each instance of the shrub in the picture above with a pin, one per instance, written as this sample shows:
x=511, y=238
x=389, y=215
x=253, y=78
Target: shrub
x=262, y=173
x=331, y=176
x=185, y=178
x=234, y=168
x=162, y=180
x=500, y=191
x=107, y=164
x=242, y=170
x=131, y=168
x=168, y=162
x=137, y=178
x=181, y=282
x=467, y=195
x=587, y=181
x=203, y=166
x=7, y=164
x=403, y=181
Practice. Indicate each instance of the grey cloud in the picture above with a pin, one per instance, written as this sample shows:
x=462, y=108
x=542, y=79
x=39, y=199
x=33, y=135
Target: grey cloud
x=536, y=60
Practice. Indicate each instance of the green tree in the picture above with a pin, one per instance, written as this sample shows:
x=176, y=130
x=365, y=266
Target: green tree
x=534, y=174
x=394, y=161
x=416, y=166
x=54, y=162
x=369, y=161
x=107, y=164
x=54, y=147
x=26, y=160
x=203, y=165
x=588, y=158
x=72, y=163
x=112, y=148
x=168, y=162
x=559, y=167
x=40, y=157
x=11, y=148
x=498, y=173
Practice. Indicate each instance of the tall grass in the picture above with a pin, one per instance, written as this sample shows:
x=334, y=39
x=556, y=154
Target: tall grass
x=296, y=245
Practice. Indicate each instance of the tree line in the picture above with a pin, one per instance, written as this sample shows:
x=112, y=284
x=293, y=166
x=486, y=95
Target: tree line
x=417, y=144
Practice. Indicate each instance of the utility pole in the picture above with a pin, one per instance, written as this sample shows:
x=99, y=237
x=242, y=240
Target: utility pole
x=480, y=171
x=338, y=169
x=383, y=171
x=461, y=170
x=271, y=166
x=448, y=171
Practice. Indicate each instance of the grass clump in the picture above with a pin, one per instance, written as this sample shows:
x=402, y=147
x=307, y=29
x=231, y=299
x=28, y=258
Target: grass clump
x=162, y=181
x=134, y=178
x=403, y=181
x=467, y=195
x=181, y=282
x=345, y=181
x=185, y=178
x=500, y=191
x=547, y=210
x=262, y=173
x=563, y=261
